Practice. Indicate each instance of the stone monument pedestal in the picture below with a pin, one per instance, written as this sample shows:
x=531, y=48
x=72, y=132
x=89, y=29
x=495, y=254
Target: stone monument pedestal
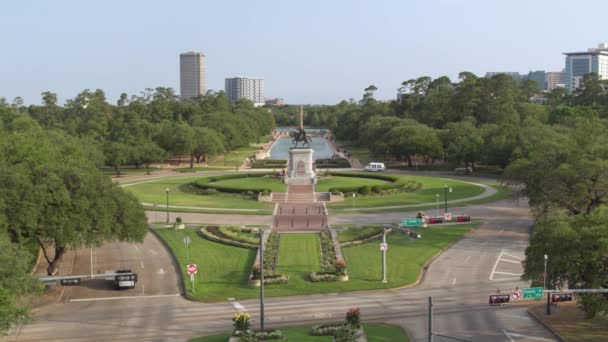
x=299, y=167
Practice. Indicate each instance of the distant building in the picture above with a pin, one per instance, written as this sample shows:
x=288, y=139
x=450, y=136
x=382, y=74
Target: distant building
x=516, y=76
x=538, y=77
x=191, y=74
x=277, y=101
x=555, y=79
x=238, y=88
x=579, y=64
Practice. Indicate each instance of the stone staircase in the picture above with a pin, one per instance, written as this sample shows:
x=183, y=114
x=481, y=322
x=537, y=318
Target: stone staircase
x=298, y=210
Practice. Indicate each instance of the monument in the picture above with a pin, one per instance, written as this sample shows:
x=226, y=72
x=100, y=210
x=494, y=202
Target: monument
x=300, y=163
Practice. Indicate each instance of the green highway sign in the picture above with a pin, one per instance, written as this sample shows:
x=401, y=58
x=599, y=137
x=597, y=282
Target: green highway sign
x=533, y=292
x=411, y=222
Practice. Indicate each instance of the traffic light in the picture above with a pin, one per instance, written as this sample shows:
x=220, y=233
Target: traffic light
x=561, y=297
x=499, y=299
x=414, y=235
x=463, y=218
x=70, y=282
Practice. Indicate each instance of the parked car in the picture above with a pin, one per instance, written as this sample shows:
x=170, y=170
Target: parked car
x=378, y=167
x=463, y=169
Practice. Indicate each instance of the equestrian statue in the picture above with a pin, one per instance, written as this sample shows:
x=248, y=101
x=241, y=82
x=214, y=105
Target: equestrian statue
x=300, y=134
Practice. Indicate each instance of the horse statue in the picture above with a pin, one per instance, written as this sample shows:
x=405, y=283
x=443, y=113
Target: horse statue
x=299, y=136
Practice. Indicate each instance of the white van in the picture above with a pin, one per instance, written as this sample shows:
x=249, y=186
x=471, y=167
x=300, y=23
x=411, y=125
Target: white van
x=375, y=167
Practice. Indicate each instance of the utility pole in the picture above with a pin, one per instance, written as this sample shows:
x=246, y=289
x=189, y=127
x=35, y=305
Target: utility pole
x=437, y=211
x=545, y=273
x=445, y=188
x=261, y=280
x=430, y=319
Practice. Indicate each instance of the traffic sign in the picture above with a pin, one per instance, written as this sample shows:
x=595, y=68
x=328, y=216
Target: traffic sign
x=384, y=246
x=516, y=294
x=411, y=222
x=533, y=293
x=447, y=217
x=191, y=268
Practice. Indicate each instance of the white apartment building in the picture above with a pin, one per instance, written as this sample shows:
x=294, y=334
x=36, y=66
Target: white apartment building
x=245, y=88
x=191, y=74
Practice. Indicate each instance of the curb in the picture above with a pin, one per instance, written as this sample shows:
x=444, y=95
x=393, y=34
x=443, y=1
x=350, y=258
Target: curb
x=174, y=260
x=545, y=324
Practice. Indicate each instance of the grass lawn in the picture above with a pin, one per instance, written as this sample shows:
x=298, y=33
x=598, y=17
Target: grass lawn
x=326, y=183
x=376, y=332
x=203, y=168
x=430, y=187
x=155, y=192
x=361, y=153
x=224, y=269
x=273, y=184
x=570, y=322
x=299, y=256
x=353, y=234
x=236, y=157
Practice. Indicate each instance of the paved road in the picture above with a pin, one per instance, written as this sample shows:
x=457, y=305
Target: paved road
x=459, y=281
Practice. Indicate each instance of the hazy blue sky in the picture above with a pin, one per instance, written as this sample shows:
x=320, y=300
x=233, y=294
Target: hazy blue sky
x=308, y=51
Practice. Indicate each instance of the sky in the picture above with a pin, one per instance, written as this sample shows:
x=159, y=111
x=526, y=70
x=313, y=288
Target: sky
x=308, y=51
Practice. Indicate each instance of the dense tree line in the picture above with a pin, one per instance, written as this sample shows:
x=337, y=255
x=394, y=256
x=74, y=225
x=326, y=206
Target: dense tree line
x=147, y=128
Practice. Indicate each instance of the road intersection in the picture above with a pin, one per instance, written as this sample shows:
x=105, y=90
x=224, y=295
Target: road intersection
x=459, y=280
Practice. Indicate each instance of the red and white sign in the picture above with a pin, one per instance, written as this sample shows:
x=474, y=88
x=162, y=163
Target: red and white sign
x=191, y=268
x=447, y=217
x=516, y=294
x=384, y=246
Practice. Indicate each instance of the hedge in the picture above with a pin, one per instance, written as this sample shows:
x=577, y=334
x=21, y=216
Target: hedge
x=328, y=254
x=341, y=333
x=322, y=276
x=205, y=183
x=394, y=183
x=203, y=232
x=232, y=232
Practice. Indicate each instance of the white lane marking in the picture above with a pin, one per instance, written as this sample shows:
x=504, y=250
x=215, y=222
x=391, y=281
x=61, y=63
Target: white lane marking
x=513, y=261
x=466, y=261
x=507, y=273
x=142, y=265
x=125, y=297
x=238, y=306
x=454, y=281
x=161, y=271
x=495, y=265
x=511, y=255
x=507, y=278
x=510, y=335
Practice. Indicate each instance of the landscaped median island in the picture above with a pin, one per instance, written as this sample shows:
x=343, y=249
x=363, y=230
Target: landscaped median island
x=348, y=330
x=224, y=269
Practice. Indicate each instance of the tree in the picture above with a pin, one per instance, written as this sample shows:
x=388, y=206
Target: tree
x=206, y=142
x=15, y=282
x=116, y=154
x=150, y=152
x=464, y=142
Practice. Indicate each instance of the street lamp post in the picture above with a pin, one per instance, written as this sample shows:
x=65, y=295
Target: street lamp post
x=445, y=188
x=437, y=211
x=167, y=205
x=545, y=273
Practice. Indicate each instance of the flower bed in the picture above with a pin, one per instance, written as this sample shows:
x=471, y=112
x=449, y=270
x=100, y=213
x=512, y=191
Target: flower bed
x=212, y=233
x=271, y=254
x=370, y=236
x=340, y=332
x=332, y=163
x=244, y=235
x=333, y=269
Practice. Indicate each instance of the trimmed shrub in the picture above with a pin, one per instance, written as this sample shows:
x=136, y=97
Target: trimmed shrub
x=340, y=266
x=344, y=331
x=365, y=190
x=207, y=234
x=395, y=183
x=353, y=317
x=322, y=276
x=236, y=234
x=206, y=183
x=241, y=321
x=328, y=254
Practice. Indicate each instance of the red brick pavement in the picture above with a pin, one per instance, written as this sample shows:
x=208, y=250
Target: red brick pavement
x=310, y=216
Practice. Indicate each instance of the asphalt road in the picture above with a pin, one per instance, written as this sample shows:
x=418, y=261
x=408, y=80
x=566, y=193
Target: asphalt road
x=459, y=281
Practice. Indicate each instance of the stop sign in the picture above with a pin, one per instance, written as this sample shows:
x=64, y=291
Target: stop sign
x=191, y=268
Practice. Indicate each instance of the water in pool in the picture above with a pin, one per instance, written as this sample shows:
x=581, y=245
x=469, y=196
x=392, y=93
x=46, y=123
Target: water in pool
x=320, y=146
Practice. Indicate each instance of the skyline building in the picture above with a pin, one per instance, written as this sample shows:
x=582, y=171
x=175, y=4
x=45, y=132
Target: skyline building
x=555, y=79
x=191, y=74
x=250, y=88
x=579, y=64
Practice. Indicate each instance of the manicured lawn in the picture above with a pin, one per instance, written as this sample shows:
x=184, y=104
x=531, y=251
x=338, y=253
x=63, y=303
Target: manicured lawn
x=430, y=188
x=327, y=183
x=353, y=233
x=273, y=184
x=224, y=269
x=236, y=157
x=155, y=192
x=379, y=332
x=376, y=332
x=299, y=256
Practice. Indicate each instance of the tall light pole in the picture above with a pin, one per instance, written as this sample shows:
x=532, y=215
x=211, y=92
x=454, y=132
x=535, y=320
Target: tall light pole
x=167, y=205
x=437, y=211
x=445, y=188
x=261, y=251
x=384, y=255
x=545, y=274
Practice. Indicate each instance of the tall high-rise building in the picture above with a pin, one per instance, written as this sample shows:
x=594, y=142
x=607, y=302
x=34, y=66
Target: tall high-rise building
x=579, y=64
x=245, y=88
x=191, y=74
